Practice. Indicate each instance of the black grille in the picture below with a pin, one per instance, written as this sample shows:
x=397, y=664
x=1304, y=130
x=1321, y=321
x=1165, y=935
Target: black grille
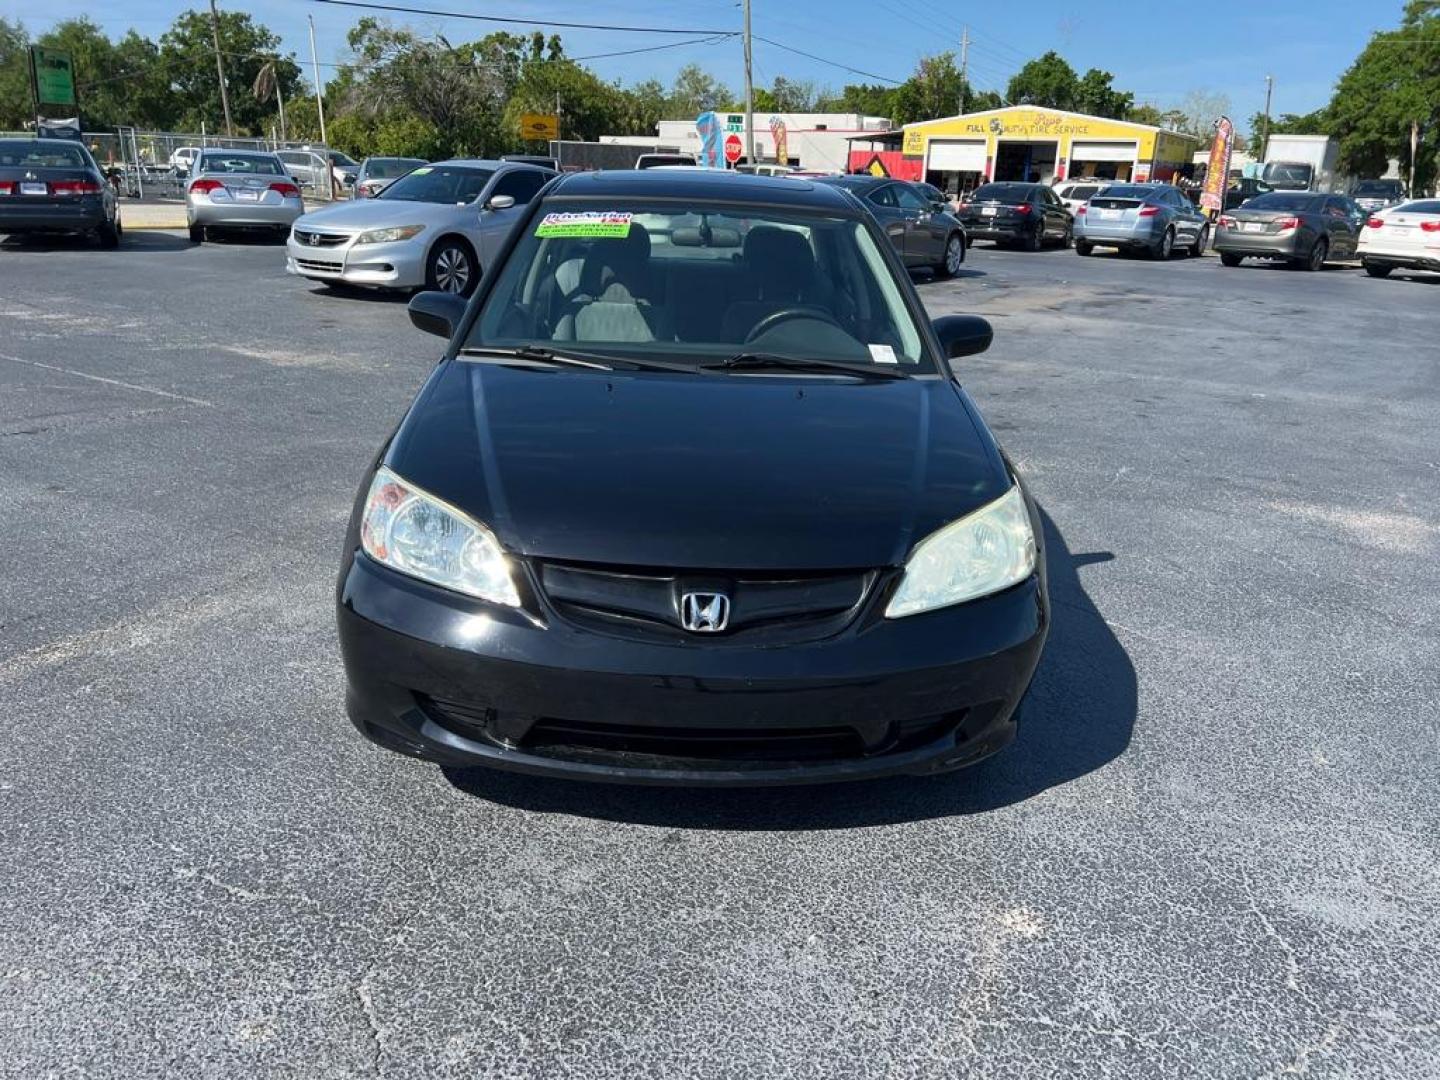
x=322, y=266
x=762, y=608
x=320, y=239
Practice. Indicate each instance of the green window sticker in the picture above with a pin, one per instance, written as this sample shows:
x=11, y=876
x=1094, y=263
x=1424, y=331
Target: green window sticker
x=588, y=223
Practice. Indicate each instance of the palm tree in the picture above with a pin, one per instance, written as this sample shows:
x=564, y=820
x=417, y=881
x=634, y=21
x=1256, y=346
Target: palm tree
x=267, y=83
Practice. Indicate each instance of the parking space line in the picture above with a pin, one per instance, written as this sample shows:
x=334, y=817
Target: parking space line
x=109, y=382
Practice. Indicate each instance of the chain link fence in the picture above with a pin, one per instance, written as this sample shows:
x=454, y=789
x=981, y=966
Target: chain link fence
x=156, y=164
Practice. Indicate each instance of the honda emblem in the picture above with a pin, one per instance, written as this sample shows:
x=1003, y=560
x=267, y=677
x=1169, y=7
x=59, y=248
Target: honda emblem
x=704, y=613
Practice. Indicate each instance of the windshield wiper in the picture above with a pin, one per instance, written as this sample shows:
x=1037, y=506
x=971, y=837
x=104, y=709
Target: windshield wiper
x=544, y=354
x=762, y=361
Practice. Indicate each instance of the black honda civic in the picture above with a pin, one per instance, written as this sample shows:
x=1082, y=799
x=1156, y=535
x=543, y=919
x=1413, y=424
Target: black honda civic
x=694, y=497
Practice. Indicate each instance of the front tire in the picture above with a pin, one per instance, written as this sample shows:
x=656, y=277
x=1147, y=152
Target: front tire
x=954, y=257
x=197, y=233
x=1228, y=258
x=452, y=268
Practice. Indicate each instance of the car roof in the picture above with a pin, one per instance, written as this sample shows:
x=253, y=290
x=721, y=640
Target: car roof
x=488, y=163
x=43, y=141
x=701, y=184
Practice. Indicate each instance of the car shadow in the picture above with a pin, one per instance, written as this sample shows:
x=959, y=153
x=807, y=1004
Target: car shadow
x=130, y=239
x=339, y=290
x=1078, y=717
x=246, y=237
x=922, y=276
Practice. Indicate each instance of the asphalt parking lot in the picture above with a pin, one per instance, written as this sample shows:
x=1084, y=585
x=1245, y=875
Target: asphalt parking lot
x=1213, y=852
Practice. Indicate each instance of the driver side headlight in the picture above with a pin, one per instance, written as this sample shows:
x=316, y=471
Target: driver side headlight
x=979, y=554
x=417, y=534
x=389, y=236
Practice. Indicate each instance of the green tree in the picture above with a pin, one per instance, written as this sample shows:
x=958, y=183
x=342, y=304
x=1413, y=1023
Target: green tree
x=1145, y=114
x=936, y=89
x=15, y=105
x=643, y=106
x=1315, y=123
x=1095, y=95
x=187, y=53
x=1391, y=90
x=1049, y=82
x=864, y=98
x=695, y=91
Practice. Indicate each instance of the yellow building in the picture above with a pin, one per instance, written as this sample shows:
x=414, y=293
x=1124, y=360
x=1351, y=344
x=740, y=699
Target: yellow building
x=1023, y=142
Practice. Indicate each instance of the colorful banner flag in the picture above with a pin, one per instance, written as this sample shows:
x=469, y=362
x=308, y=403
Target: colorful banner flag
x=1217, y=173
x=708, y=125
x=782, y=146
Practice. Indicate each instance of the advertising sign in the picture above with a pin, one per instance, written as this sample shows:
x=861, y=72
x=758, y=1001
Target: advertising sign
x=708, y=125
x=782, y=145
x=1217, y=173
x=540, y=127
x=54, y=76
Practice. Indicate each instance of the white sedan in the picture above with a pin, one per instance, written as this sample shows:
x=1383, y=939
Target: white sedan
x=1404, y=237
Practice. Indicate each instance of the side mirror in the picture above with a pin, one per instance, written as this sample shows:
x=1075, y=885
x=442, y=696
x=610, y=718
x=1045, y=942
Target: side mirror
x=437, y=313
x=500, y=202
x=960, y=335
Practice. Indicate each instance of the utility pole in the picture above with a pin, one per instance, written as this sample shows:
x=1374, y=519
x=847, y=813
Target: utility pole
x=1265, y=135
x=220, y=69
x=964, y=68
x=749, y=93
x=315, y=68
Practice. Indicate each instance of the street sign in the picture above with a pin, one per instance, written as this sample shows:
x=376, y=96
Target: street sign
x=54, y=76
x=733, y=148
x=539, y=127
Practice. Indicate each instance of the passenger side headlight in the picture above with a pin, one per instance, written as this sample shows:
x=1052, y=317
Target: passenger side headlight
x=389, y=236
x=417, y=534
x=979, y=554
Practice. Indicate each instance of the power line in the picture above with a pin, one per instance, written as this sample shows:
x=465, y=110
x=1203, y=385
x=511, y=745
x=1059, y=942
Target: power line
x=831, y=63
x=516, y=20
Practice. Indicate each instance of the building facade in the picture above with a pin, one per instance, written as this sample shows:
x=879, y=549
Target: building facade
x=816, y=142
x=1022, y=142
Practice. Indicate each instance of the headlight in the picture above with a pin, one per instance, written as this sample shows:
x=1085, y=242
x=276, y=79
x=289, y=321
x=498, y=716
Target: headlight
x=388, y=236
x=980, y=554
x=419, y=535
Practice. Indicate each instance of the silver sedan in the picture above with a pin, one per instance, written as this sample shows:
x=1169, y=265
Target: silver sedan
x=240, y=189
x=436, y=227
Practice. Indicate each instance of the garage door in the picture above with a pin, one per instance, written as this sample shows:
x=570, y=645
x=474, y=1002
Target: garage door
x=953, y=155
x=1102, y=151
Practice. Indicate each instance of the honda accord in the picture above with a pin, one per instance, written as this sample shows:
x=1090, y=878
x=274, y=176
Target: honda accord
x=695, y=496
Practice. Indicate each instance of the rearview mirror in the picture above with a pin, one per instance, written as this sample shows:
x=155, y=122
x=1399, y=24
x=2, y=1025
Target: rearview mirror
x=437, y=313
x=962, y=335
x=500, y=202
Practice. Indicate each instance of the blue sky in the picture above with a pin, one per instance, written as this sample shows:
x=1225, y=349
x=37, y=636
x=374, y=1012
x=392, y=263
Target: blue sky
x=1157, y=50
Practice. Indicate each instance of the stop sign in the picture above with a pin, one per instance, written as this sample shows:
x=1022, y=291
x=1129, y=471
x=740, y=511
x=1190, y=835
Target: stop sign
x=732, y=148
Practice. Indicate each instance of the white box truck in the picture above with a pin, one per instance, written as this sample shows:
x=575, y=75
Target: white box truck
x=1303, y=163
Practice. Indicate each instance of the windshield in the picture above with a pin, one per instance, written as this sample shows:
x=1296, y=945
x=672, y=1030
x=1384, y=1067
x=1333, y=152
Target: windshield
x=650, y=161
x=28, y=154
x=700, y=283
x=439, y=184
x=340, y=158
x=241, y=163
x=387, y=168
x=1387, y=188
x=1130, y=191
x=1084, y=191
x=1420, y=206
x=1005, y=193
x=1280, y=201
x=1288, y=174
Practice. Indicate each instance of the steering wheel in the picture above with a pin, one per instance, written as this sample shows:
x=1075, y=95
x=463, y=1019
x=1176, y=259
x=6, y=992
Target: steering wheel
x=784, y=315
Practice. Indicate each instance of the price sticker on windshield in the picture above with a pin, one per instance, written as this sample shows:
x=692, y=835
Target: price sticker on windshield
x=587, y=223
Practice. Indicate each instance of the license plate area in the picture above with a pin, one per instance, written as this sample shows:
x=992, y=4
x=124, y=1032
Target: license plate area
x=989, y=211
x=32, y=187
x=1252, y=226
x=247, y=196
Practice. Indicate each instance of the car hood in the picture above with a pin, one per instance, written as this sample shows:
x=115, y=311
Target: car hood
x=378, y=214
x=699, y=471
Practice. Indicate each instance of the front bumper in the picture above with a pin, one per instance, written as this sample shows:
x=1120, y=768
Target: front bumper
x=399, y=265
x=234, y=214
x=439, y=677
x=1262, y=245
x=82, y=215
